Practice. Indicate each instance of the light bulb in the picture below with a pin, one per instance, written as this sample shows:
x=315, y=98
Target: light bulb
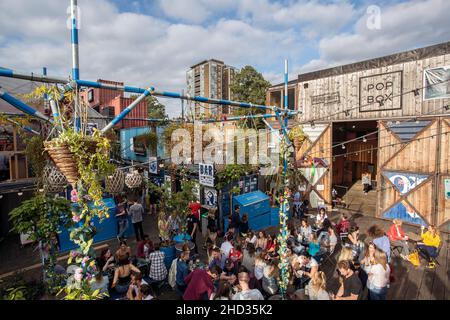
x=343, y=146
x=19, y=193
x=364, y=140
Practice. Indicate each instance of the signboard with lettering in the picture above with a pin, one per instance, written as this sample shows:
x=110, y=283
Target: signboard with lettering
x=206, y=174
x=381, y=92
x=327, y=98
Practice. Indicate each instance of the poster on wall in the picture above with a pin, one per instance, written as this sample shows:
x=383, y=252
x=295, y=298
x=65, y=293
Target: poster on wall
x=447, y=189
x=206, y=174
x=436, y=83
x=153, y=165
x=210, y=197
x=404, y=212
x=405, y=182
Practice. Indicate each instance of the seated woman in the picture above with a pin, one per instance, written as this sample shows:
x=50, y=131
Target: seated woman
x=124, y=251
x=398, y=238
x=343, y=225
x=144, y=248
x=122, y=275
x=305, y=231
x=314, y=245
x=329, y=241
x=261, y=241
x=105, y=262
x=430, y=244
x=320, y=218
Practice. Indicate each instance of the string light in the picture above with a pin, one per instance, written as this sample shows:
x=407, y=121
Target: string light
x=364, y=140
x=343, y=146
x=416, y=92
x=20, y=193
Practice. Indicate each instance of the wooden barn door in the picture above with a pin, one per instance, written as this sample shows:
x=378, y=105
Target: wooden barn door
x=314, y=164
x=407, y=175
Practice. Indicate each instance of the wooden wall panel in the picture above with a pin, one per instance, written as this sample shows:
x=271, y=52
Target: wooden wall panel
x=347, y=85
x=326, y=192
x=418, y=155
x=388, y=195
x=389, y=143
x=443, y=212
x=445, y=148
x=302, y=151
x=322, y=148
x=421, y=199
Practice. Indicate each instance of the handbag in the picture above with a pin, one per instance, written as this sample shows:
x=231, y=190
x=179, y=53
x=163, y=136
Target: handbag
x=414, y=258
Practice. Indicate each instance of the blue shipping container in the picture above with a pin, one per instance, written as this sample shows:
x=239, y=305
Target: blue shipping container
x=253, y=204
x=256, y=223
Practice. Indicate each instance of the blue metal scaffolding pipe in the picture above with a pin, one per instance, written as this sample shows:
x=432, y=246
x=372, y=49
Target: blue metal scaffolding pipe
x=127, y=110
x=256, y=116
x=24, y=127
x=8, y=73
x=22, y=106
x=167, y=94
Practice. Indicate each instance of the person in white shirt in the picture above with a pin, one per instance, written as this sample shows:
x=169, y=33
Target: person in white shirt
x=378, y=276
x=226, y=246
x=320, y=218
x=245, y=293
x=305, y=231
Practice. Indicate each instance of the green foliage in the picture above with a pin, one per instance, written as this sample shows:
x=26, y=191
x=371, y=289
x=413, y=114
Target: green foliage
x=296, y=135
x=81, y=291
x=34, y=151
x=156, y=110
x=250, y=86
x=231, y=173
x=17, y=288
x=41, y=217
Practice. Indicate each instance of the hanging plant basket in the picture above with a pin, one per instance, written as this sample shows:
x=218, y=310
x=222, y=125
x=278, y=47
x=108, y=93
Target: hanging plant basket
x=133, y=180
x=64, y=159
x=115, y=183
x=54, y=180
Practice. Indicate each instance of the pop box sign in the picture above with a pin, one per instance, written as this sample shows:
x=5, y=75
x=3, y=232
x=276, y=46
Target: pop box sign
x=381, y=92
x=206, y=174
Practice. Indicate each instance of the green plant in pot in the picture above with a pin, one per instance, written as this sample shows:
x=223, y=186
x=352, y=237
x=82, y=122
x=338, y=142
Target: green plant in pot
x=84, y=160
x=297, y=136
x=42, y=218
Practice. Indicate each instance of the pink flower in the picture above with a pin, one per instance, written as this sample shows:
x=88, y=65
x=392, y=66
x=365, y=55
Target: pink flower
x=78, y=276
x=74, y=199
x=76, y=218
x=74, y=193
x=74, y=254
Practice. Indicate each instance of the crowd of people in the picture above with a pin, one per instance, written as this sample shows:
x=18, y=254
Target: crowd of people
x=243, y=264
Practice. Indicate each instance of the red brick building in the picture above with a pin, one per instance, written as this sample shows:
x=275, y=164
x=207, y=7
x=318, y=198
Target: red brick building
x=111, y=103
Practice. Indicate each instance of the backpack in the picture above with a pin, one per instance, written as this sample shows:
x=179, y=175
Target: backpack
x=172, y=278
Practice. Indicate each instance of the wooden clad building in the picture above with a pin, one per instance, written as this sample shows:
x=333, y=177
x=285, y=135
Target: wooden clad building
x=388, y=117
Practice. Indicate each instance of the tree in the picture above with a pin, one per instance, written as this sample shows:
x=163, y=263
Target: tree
x=249, y=86
x=156, y=110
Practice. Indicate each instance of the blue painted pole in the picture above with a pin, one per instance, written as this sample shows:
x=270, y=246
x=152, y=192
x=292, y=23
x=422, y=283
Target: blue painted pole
x=256, y=116
x=74, y=38
x=127, y=110
x=26, y=128
x=167, y=94
x=285, y=105
x=8, y=73
x=22, y=106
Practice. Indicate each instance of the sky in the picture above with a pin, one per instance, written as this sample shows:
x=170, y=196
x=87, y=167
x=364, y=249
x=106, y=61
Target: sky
x=154, y=43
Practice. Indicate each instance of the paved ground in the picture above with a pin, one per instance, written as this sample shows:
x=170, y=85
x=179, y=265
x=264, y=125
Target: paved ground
x=411, y=283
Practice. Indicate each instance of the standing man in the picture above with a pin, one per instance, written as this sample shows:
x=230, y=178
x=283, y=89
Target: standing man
x=235, y=220
x=192, y=226
x=351, y=287
x=122, y=217
x=137, y=212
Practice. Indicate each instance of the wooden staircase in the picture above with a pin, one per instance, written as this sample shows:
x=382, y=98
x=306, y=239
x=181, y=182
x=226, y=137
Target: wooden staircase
x=358, y=202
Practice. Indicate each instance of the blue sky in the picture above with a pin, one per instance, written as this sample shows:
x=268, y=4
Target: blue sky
x=154, y=42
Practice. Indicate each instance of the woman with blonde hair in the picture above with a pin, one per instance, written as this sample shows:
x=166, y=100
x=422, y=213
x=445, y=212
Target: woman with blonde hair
x=378, y=276
x=346, y=254
x=317, y=287
x=429, y=245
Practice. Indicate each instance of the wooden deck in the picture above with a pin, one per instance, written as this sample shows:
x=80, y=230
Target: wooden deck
x=410, y=283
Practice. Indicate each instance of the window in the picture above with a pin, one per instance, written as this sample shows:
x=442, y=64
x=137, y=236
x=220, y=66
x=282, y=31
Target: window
x=91, y=95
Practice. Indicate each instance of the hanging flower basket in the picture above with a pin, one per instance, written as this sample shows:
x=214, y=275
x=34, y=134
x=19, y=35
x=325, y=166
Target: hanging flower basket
x=64, y=159
x=116, y=182
x=133, y=180
x=54, y=180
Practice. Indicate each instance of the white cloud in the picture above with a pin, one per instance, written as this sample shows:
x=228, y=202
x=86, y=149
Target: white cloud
x=403, y=26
